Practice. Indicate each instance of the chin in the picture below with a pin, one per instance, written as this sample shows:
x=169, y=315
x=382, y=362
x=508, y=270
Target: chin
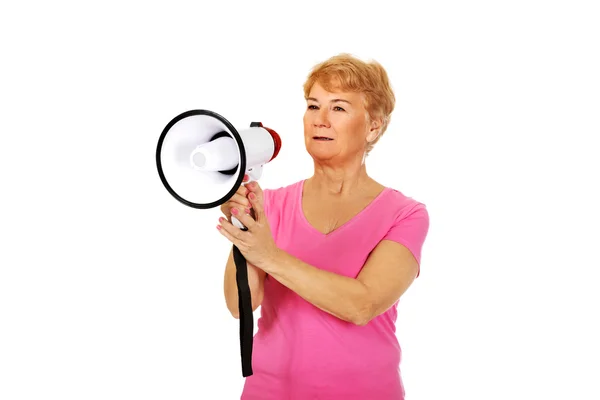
x=321, y=155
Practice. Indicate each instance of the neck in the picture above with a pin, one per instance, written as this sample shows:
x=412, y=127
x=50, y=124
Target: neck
x=340, y=179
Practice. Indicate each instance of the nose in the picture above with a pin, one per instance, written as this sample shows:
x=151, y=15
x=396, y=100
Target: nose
x=322, y=118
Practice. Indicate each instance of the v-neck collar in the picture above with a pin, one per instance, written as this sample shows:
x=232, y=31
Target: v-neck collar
x=299, y=198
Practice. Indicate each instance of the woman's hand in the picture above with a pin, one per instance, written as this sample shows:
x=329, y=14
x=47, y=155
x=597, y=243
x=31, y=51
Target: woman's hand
x=256, y=244
x=239, y=201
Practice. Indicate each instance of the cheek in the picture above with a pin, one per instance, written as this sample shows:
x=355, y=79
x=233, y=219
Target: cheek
x=345, y=123
x=357, y=125
x=306, y=120
x=354, y=131
x=307, y=128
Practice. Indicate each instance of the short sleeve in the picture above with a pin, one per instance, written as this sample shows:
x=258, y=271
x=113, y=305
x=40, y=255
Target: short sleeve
x=410, y=229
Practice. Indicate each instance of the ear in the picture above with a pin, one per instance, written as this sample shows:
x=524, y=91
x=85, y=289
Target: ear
x=374, y=130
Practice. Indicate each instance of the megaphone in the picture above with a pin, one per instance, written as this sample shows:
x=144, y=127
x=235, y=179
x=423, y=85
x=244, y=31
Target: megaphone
x=202, y=159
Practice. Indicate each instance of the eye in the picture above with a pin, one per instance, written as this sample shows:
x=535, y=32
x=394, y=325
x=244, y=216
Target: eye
x=338, y=108
x=312, y=107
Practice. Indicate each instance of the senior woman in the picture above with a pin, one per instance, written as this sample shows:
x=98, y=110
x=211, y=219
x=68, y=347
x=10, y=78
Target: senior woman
x=329, y=256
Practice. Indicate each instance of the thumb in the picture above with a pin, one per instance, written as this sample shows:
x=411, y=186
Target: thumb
x=254, y=187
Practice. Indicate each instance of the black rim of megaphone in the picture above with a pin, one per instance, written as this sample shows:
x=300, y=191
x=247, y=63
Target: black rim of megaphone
x=242, y=164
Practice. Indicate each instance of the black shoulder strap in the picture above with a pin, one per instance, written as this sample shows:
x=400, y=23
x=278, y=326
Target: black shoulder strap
x=245, y=308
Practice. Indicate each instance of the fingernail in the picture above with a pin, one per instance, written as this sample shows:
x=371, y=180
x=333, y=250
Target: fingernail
x=252, y=196
x=246, y=177
x=221, y=219
x=219, y=227
x=234, y=211
x=247, y=211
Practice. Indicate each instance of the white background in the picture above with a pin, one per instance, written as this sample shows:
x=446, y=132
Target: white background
x=111, y=289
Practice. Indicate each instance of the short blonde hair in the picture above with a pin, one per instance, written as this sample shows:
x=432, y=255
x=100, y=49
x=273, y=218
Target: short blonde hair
x=348, y=73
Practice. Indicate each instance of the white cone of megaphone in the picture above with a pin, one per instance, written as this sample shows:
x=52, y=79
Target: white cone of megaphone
x=202, y=159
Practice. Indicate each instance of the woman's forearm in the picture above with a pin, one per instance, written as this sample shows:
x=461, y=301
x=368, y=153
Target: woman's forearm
x=341, y=296
x=256, y=279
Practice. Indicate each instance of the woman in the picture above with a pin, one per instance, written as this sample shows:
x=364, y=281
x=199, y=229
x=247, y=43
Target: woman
x=329, y=256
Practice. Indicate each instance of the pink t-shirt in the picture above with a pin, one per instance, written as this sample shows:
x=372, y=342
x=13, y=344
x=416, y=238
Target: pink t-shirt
x=301, y=352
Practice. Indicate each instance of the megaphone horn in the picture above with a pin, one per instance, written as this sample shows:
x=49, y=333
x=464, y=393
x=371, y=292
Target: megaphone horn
x=202, y=159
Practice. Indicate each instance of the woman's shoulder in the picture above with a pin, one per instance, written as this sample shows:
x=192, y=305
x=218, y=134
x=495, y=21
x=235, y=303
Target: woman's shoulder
x=283, y=193
x=281, y=189
x=403, y=204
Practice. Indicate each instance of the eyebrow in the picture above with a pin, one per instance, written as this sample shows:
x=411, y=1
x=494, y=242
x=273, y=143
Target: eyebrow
x=333, y=101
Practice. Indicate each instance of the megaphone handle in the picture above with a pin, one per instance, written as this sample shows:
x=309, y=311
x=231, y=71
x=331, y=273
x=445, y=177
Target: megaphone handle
x=254, y=174
x=237, y=223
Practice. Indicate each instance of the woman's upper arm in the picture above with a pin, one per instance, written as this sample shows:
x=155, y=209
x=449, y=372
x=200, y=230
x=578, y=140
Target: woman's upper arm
x=389, y=271
x=395, y=262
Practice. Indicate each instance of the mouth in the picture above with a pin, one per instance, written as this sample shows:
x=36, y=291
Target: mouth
x=322, y=138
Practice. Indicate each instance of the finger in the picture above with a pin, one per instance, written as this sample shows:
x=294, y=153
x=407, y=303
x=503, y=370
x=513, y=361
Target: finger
x=233, y=231
x=242, y=190
x=239, y=199
x=256, y=202
x=229, y=214
x=224, y=232
x=254, y=187
x=245, y=208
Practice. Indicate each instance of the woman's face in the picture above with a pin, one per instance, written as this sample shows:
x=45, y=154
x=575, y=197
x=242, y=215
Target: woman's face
x=336, y=125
